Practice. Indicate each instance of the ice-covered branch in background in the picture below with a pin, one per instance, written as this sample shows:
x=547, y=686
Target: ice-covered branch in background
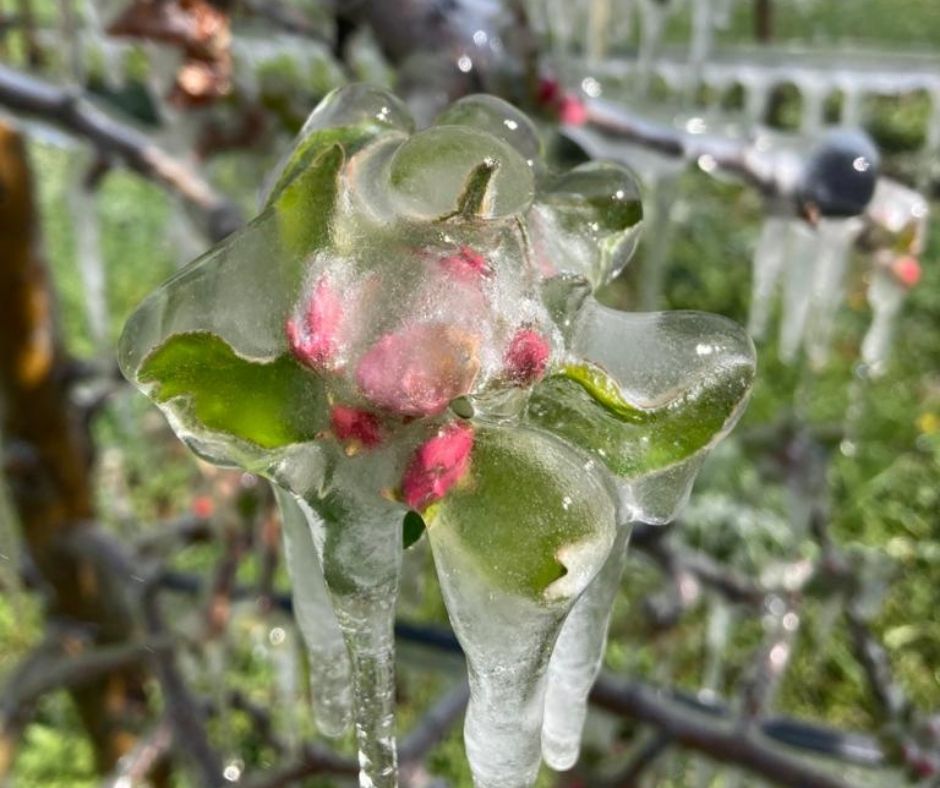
x=413, y=313
x=23, y=93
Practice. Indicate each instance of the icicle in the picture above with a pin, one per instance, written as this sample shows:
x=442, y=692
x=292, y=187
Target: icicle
x=886, y=296
x=853, y=96
x=83, y=209
x=313, y=610
x=621, y=24
x=802, y=251
x=932, y=137
x=577, y=659
x=653, y=14
x=598, y=29
x=361, y=559
x=721, y=14
x=661, y=180
x=701, y=42
x=757, y=90
x=813, y=93
x=836, y=238
x=766, y=270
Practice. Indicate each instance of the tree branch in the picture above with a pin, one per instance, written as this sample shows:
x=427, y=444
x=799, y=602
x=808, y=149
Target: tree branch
x=707, y=735
x=26, y=94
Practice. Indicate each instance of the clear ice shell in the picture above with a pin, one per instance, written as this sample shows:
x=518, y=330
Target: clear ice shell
x=430, y=173
x=327, y=658
x=497, y=117
x=671, y=368
x=240, y=341
x=587, y=222
x=577, y=659
x=508, y=635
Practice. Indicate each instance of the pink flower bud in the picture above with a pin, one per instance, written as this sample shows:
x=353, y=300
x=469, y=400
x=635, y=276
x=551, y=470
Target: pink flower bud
x=314, y=342
x=527, y=356
x=437, y=465
x=572, y=111
x=417, y=371
x=467, y=265
x=354, y=424
x=549, y=90
x=906, y=270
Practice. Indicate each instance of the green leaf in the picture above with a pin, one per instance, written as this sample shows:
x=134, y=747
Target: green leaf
x=305, y=206
x=349, y=139
x=202, y=380
x=412, y=529
x=585, y=406
x=526, y=514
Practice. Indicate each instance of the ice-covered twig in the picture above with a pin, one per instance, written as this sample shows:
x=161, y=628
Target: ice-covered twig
x=735, y=157
x=24, y=93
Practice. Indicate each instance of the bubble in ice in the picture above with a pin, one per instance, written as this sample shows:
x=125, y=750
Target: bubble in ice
x=408, y=329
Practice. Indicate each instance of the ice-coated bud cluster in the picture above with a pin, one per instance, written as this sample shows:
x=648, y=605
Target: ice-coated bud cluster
x=407, y=330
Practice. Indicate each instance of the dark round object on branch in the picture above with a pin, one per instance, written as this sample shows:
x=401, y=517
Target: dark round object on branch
x=839, y=176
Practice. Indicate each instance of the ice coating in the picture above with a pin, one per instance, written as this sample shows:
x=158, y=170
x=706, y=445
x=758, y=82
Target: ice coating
x=327, y=659
x=508, y=626
x=407, y=327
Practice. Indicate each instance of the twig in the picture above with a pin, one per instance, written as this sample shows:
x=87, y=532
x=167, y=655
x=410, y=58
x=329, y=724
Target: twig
x=70, y=111
x=435, y=723
x=658, y=543
x=189, y=733
x=705, y=735
x=642, y=759
x=738, y=158
x=134, y=767
x=314, y=759
x=286, y=18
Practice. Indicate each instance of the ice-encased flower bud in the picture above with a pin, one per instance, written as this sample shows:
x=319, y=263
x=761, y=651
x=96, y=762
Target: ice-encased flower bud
x=437, y=465
x=417, y=371
x=527, y=356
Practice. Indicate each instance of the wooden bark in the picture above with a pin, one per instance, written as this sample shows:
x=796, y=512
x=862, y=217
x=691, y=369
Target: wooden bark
x=47, y=460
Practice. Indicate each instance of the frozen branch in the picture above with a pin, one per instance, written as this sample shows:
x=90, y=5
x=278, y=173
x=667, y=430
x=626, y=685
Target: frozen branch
x=708, y=736
x=71, y=112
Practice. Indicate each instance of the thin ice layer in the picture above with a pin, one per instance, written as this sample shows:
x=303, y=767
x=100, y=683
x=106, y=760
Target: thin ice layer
x=327, y=658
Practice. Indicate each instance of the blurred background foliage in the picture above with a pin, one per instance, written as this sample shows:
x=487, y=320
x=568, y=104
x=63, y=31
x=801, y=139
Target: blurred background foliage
x=884, y=478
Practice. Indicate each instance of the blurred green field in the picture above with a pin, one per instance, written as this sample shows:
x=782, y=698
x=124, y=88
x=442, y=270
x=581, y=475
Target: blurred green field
x=885, y=487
